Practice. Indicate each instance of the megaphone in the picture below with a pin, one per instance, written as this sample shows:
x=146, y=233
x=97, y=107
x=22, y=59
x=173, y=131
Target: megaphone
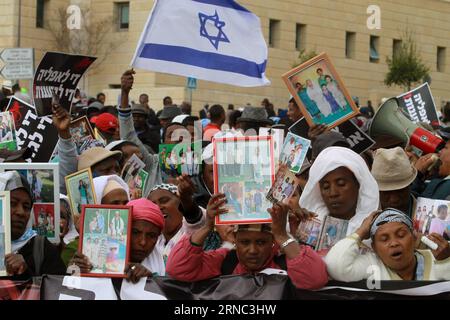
x=389, y=120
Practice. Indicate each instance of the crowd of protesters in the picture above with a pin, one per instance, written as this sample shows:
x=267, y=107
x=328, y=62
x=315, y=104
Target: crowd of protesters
x=173, y=230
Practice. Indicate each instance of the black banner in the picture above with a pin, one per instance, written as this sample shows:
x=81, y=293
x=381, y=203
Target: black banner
x=418, y=105
x=38, y=134
x=358, y=140
x=59, y=74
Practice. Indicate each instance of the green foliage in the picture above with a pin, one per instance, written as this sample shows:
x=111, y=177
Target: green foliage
x=406, y=66
x=304, y=56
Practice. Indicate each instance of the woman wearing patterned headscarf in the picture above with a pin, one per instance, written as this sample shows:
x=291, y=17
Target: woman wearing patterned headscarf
x=394, y=256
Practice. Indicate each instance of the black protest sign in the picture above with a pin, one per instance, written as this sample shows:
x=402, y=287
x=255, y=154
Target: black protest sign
x=58, y=74
x=356, y=138
x=33, y=132
x=418, y=105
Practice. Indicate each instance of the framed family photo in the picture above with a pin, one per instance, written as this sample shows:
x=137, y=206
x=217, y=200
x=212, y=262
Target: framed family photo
x=80, y=190
x=105, y=238
x=7, y=131
x=81, y=130
x=244, y=172
x=43, y=179
x=180, y=158
x=320, y=92
x=5, y=230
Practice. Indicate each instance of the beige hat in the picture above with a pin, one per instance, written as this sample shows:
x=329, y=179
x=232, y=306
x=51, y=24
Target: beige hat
x=95, y=155
x=392, y=170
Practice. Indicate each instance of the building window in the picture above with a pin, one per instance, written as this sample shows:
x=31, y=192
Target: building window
x=274, y=33
x=350, y=38
x=123, y=14
x=40, y=13
x=374, y=45
x=396, y=47
x=440, y=65
x=300, y=36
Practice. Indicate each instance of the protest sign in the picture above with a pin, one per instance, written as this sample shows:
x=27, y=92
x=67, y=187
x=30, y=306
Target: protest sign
x=58, y=74
x=38, y=134
x=358, y=140
x=418, y=105
x=244, y=172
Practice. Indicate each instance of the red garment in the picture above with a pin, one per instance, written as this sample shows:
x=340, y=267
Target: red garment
x=210, y=130
x=190, y=263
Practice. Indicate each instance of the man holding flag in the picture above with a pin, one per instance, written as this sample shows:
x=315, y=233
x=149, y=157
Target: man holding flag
x=214, y=40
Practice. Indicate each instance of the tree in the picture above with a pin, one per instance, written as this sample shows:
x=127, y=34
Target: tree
x=304, y=56
x=406, y=66
x=93, y=37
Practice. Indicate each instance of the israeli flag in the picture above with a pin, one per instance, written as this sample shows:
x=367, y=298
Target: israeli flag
x=214, y=40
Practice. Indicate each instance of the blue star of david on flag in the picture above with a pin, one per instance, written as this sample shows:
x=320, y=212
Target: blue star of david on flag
x=214, y=39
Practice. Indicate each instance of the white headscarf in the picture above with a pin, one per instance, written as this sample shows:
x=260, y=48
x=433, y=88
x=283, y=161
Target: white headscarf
x=72, y=233
x=328, y=160
x=101, y=182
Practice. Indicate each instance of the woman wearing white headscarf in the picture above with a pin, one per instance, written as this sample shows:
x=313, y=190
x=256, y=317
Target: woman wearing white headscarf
x=111, y=190
x=340, y=185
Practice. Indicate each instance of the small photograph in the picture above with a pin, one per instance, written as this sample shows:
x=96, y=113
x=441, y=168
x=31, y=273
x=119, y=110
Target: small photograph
x=320, y=93
x=98, y=136
x=80, y=190
x=81, y=130
x=41, y=184
x=105, y=237
x=44, y=219
x=308, y=232
x=284, y=185
x=132, y=167
x=7, y=132
x=5, y=230
x=433, y=216
x=234, y=192
x=255, y=202
x=180, y=158
x=294, y=152
x=333, y=230
x=137, y=184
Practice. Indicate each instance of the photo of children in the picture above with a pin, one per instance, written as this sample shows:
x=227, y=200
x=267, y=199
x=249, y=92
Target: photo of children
x=432, y=216
x=80, y=190
x=318, y=89
x=44, y=219
x=105, y=238
x=294, y=152
x=284, y=186
x=7, y=131
x=308, y=232
x=81, y=131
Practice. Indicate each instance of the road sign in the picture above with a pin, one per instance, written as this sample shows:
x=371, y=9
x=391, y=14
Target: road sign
x=19, y=63
x=191, y=83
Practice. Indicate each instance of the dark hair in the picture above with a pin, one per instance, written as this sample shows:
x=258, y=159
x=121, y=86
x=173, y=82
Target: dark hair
x=216, y=112
x=319, y=69
x=167, y=98
x=167, y=127
x=110, y=109
x=231, y=106
x=100, y=94
x=233, y=117
x=15, y=87
x=442, y=207
x=292, y=100
x=446, y=111
x=327, y=76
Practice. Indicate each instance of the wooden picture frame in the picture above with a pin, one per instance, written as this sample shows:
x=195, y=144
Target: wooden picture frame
x=242, y=171
x=72, y=186
x=5, y=230
x=44, y=177
x=320, y=92
x=109, y=252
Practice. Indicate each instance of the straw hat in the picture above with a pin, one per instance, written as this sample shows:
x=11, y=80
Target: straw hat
x=392, y=170
x=95, y=155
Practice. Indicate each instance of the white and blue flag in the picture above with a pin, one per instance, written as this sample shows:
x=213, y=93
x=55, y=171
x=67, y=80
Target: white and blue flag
x=214, y=40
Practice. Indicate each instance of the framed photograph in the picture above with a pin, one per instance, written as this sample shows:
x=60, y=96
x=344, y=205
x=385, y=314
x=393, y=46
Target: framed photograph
x=80, y=190
x=320, y=92
x=294, y=151
x=176, y=159
x=98, y=136
x=105, y=239
x=7, y=131
x=432, y=216
x=333, y=230
x=5, y=230
x=81, y=131
x=244, y=171
x=43, y=179
x=284, y=186
x=135, y=176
